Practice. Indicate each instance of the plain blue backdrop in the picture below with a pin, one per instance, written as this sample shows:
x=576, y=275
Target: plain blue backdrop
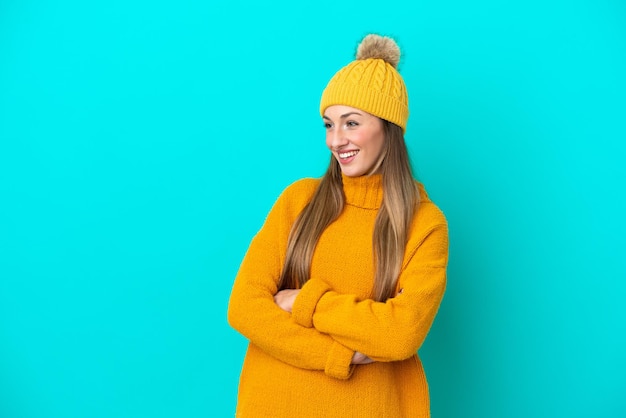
x=143, y=142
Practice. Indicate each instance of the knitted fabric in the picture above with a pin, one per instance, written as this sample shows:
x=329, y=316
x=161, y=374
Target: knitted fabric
x=372, y=85
x=298, y=364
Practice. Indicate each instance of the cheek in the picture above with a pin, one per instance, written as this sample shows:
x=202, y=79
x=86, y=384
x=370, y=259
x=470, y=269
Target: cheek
x=381, y=146
x=376, y=147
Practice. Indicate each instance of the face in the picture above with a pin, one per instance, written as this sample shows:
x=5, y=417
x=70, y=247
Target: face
x=356, y=139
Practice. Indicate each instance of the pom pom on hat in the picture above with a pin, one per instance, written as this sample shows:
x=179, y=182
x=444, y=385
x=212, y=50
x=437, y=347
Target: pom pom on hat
x=371, y=82
x=379, y=47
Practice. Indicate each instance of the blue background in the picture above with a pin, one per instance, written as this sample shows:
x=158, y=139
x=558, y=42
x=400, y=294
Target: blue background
x=142, y=144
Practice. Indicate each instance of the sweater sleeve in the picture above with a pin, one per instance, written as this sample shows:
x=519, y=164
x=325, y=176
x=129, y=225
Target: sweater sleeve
x=253, y=312
x=384, y=331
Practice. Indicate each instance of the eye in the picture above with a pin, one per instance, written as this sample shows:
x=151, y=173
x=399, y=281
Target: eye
x=327, y=125
x=351, y=124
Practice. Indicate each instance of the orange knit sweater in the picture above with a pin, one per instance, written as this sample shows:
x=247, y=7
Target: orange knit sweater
x=298, y=364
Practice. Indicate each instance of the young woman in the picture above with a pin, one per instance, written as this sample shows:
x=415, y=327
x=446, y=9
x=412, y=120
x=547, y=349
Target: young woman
x=341, y=285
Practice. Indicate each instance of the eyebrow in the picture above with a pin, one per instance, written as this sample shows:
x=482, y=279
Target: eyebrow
x=345, y=115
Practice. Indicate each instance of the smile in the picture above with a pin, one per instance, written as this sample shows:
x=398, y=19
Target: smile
x=348, y=154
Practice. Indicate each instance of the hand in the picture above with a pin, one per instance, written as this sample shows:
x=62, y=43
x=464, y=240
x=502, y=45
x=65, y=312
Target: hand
x=360, y=358
x=285, y=298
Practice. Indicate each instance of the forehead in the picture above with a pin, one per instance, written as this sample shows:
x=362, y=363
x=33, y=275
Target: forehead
x=339, y=111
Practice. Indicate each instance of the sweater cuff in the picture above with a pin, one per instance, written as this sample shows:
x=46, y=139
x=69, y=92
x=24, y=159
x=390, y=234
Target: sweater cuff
x=339, y=364
x=304, y=305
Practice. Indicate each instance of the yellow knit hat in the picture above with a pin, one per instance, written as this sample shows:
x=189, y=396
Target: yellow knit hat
x=371, y=82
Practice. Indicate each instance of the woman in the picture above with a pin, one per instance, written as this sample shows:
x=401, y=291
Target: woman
x=341, y=285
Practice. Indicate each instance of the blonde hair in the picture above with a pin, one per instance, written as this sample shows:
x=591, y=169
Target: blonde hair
x=400, y=201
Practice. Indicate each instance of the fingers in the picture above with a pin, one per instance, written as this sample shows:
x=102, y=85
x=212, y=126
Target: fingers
x=285, y=299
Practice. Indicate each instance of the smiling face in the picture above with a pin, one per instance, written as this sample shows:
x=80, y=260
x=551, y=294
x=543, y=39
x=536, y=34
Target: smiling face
x=356, y=139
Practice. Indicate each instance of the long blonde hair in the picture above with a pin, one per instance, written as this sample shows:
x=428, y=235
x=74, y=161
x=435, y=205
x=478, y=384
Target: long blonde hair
x=400, y=201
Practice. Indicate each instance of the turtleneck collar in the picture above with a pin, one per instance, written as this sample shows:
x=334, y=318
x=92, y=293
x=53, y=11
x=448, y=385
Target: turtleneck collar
x=363, y=191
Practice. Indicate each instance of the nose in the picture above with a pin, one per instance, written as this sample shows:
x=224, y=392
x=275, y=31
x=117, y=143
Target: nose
x=337, y=139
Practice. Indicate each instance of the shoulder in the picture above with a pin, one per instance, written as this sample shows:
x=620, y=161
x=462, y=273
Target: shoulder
x=428, y=215
x=301, y=188
x=296, y=196
x=428, y=232
x=289, y=204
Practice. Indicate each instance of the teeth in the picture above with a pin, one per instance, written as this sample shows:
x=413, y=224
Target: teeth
x=348, y=154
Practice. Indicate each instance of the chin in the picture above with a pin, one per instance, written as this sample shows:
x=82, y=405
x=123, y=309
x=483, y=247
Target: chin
x=352, y=173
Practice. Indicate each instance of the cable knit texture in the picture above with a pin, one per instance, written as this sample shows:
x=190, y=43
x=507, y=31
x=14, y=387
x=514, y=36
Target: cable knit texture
x=372, y=85
x=298, y=364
